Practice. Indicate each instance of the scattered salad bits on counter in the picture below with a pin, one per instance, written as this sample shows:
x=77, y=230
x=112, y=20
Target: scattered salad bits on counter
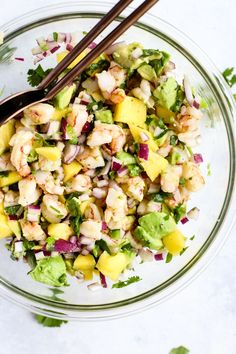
x=102, y=174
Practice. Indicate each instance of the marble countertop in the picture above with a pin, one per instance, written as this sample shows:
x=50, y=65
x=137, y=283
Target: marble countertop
x=203, y=316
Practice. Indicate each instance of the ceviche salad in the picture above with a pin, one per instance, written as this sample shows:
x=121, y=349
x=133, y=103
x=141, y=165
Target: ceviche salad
x=101, y=175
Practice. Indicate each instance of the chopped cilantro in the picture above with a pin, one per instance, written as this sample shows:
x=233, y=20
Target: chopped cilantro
x=182, y=181
x=130, y=280
x=161, y=196
x=73, y=204
x=179, y=212
x=33, y=156
x=4, y=173
x=161, y=124
x=56, y=210
x=94, y=106
x=36, y=76
x=229, y=76
x=84, y=33
x=192, y=238
x=13, y=210
x=73, y=139
x=50, y=241
x=49, y=322
x=28, y=245
x=169, y=257
x=173, y=140
x=183, y=250
x=103, y=246
x=134, y=170
x=208, y=169
x=55, y=36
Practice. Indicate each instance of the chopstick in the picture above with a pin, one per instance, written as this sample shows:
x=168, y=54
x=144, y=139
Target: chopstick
x=84, y=43
x=100, y=48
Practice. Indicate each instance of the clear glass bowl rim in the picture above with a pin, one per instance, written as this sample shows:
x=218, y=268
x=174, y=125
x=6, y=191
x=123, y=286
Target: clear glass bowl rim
x=212, y=245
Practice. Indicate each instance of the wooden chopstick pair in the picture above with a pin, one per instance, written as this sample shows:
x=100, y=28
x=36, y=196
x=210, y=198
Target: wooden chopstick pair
x=13, y=105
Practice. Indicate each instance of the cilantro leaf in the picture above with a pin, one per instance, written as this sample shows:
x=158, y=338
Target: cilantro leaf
x=49, y=322
x=169, y=257
x=122, y=284
x=36, y=76
x=229, y=76
x=73, y=205
x=179, y=350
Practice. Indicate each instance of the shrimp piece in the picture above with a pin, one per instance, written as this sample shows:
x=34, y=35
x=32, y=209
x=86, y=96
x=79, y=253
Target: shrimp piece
x=5, y=163
x=93, y=212
x=188, y=125
x=146, y=207
x=117, y=208
x=52, y=209
x=135, y=188
x=106, y=83
x=117, y=96
x=29, y=193
x=22, y=143
x=118, y=73
x=32, y=231
x=40, y=113
x=144, y=93
x=48, y=184
x=192, y=174
x=78, y=117
x=91, y=158
x=48, y=165
x=170, y=178
x=80, y=183
x=11, y=198
x=91, y=229
x=107, y=134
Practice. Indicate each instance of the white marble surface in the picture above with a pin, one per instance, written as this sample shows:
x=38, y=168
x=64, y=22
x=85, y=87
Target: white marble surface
x=203, y=316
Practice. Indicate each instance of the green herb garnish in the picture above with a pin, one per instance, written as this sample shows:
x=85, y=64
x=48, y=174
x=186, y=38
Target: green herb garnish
x=122, y=284
x=229, y=76
x=169, y=257
x=72, y=135
x=36, y=76
x=73, y=204
x=179, y=350
x=48, y=321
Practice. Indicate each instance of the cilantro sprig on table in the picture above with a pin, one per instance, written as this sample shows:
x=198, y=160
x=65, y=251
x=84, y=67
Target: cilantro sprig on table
x=122, y=284
x=48, y=321
x=230, y=78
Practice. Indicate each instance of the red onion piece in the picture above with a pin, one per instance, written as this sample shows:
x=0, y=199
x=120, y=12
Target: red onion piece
x=54, y=49
x=196, y=104
x=188, y=91
x=104, y=226
x=85, y=103
x=64, y=125
x=87, y=127
x=198, y=158
x=19, y=59
x=12, y=217
x=103, y=280
x=73, y=239
x=144, y=137
x=33, y=213
x=69, y=47
x=46, y=253
x=99, y=193
x=114, y=47
x=184, y=220
x=70, y=152
x=143, y=152
x=46, y=53
x=158, y=257
x=123, y=171
x=63, y=246
x=116, y=164
x=92, y=45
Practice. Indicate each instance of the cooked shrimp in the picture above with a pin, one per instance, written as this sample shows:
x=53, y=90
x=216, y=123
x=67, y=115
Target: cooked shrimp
x=93, y=212
x=192, y=174
x=188, y=125
x=135, y=188
x=22, y=143
x=148, y=206
x=40, y=113
x=29, y=193
x=118, y=73
x=49, y=184
x=107, y=134
x=144, y=93
x=11, y=198
x=5, y=162
x=106, y=83
x=47, y=165
x=52, y=209
x=91, y=229
x=91, y=158
x=79, y=183
x=32, y=231
x=170, y=178
x=117, y=208
x=78, y=117
x=117, y=96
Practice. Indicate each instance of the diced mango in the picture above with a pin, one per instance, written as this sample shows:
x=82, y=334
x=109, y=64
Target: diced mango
x=131, y=111
x=71, y=170
x=15, y=228
x=60, y=231
x=6, y=132
x=12, y=178
x=62, y=55
x=60, y=113
x=174, y=242
x=5, y=230
x=155, y=165
x=164, y=113
x=84, y=263
x=88, y=274
x=1, y=208
x=137, y=135
x=85, y=204
x=49, y=152
x=113, y=266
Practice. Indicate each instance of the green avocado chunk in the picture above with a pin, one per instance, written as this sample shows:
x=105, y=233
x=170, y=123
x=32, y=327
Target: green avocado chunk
x=166, y=93
x=105, y=116
x=147, y=72
x=50, y=271
x=126, y=158
x=63, y=98
x=153, y=227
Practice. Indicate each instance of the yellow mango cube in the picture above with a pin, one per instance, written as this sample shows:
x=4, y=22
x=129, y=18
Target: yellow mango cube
x=1, y=208
x=6, y=132
x=137, y=135
x=154, y=166
x=164, y=113
x=131, y=111
x=15, y=228
x=49, y=152
x=71, y=170
x=84, y=263
x=60, y=113
x=5, y=230
x=174, y=242
x=60, y=231
x=12, y=178
x=113, y=266
x=62, y=55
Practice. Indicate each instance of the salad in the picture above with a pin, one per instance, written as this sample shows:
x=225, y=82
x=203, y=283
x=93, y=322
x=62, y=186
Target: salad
x=101, y=175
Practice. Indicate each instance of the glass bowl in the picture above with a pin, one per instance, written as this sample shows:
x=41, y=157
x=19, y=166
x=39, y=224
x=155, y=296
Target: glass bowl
x=216, y=200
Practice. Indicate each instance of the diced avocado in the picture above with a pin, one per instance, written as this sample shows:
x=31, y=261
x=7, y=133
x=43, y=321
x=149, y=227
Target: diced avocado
x=6, y=132
x=5, y=230
x=115, y=234
x=131, y=111
x=155, y=165
x=153, y=227
x=71, y=170
x=166, y=93
x=11, y=178
x=50, y=271
x=147, y=72
x=60, y=231
x=138, y=134
x=125, y=158
x=105, y=116
x=49, y=152
x=113, y=266
x=134, y=170
x=15, y=228
x=84, y=263
x=174, y=242
x=123, y=56
x=63, y=98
